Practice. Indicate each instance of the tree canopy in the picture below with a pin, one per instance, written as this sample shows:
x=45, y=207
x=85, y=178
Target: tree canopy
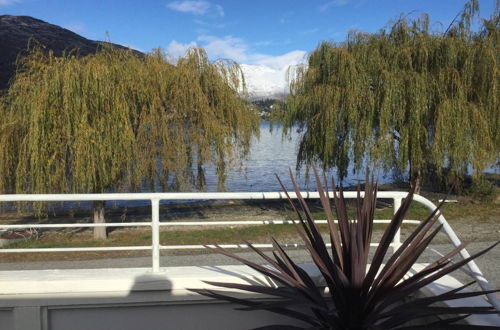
x=115, y=121
x=404, y=97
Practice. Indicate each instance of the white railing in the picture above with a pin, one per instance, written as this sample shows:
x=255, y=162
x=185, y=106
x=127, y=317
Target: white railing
x=155, y=223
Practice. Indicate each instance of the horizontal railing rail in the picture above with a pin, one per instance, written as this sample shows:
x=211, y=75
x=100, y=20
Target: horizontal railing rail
x=155, y=223
x=179, y=223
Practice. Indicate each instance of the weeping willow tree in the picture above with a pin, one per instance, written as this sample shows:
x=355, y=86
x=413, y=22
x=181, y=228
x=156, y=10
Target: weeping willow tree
x=405, y=97
x=114, y=121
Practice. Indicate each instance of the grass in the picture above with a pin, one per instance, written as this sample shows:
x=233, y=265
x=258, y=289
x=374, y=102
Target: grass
x=417, y=212
x=170, y=237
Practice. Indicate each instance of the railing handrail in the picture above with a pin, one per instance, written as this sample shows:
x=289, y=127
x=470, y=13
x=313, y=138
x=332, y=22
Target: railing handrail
x=180, y=223
x=180, y=196
x=155, y=223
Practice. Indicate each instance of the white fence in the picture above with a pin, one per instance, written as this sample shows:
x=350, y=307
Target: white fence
x=155, y=223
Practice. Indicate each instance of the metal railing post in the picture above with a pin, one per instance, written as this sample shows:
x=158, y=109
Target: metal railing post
x=397, y=238
x=155, y=234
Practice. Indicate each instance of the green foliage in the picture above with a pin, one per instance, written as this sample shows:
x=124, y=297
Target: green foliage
x=403, y=97
x=117, y=121
x=481, y=189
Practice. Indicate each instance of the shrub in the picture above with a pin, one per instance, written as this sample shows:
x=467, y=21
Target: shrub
x=359, y=295
x=481, y=189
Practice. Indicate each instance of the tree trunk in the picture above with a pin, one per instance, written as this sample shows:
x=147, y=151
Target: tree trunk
x=416, y=181
x=100, y=233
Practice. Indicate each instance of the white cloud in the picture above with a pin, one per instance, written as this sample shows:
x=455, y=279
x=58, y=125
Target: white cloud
x=176, y=49
x=196, y=7
x=8, y=2
x=226, y=47
x=236, y=49
x=193, y=7
x=281, y=62
x=334, y=3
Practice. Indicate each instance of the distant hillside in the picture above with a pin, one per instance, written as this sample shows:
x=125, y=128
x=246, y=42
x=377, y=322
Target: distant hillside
x=16, y=32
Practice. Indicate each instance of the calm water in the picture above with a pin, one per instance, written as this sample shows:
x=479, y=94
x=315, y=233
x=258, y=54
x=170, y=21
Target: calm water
x=272, y=155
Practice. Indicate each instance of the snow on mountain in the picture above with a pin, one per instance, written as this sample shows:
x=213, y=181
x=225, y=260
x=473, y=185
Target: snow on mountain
x=267, y=77
x=264, y=82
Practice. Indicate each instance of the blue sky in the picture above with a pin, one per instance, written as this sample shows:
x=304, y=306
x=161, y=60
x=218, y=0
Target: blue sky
x=274, y=33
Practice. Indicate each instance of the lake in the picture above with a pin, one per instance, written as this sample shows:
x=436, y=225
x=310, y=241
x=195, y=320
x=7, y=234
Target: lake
x=270, y=155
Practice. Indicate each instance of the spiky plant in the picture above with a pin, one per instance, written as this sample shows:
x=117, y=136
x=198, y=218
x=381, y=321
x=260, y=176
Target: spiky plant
x=359, y=295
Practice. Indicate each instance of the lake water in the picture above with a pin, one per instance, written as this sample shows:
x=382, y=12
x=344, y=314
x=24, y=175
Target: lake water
x=271, y=155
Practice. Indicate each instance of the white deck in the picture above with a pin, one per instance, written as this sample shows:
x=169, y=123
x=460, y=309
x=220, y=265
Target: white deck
x=122, y=299
x=158, y=297
x=126, y=298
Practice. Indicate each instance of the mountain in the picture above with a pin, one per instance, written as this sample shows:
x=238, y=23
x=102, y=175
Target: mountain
x=264, y=82
x=17, y=31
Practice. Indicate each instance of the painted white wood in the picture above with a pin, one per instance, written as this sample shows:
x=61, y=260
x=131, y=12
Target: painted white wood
x=136, y=298
x=448, y=283
x=177, y=223
x=182, y=196
x=176, y=280
x=155, y=234
x=397, y=238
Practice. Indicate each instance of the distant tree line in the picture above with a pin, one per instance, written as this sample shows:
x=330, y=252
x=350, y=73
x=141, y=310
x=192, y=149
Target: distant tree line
x=265, y=107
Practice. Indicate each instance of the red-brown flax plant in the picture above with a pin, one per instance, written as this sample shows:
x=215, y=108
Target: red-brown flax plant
x=359, y=292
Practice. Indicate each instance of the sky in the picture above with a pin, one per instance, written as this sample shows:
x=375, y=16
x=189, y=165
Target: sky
x=268, y=35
